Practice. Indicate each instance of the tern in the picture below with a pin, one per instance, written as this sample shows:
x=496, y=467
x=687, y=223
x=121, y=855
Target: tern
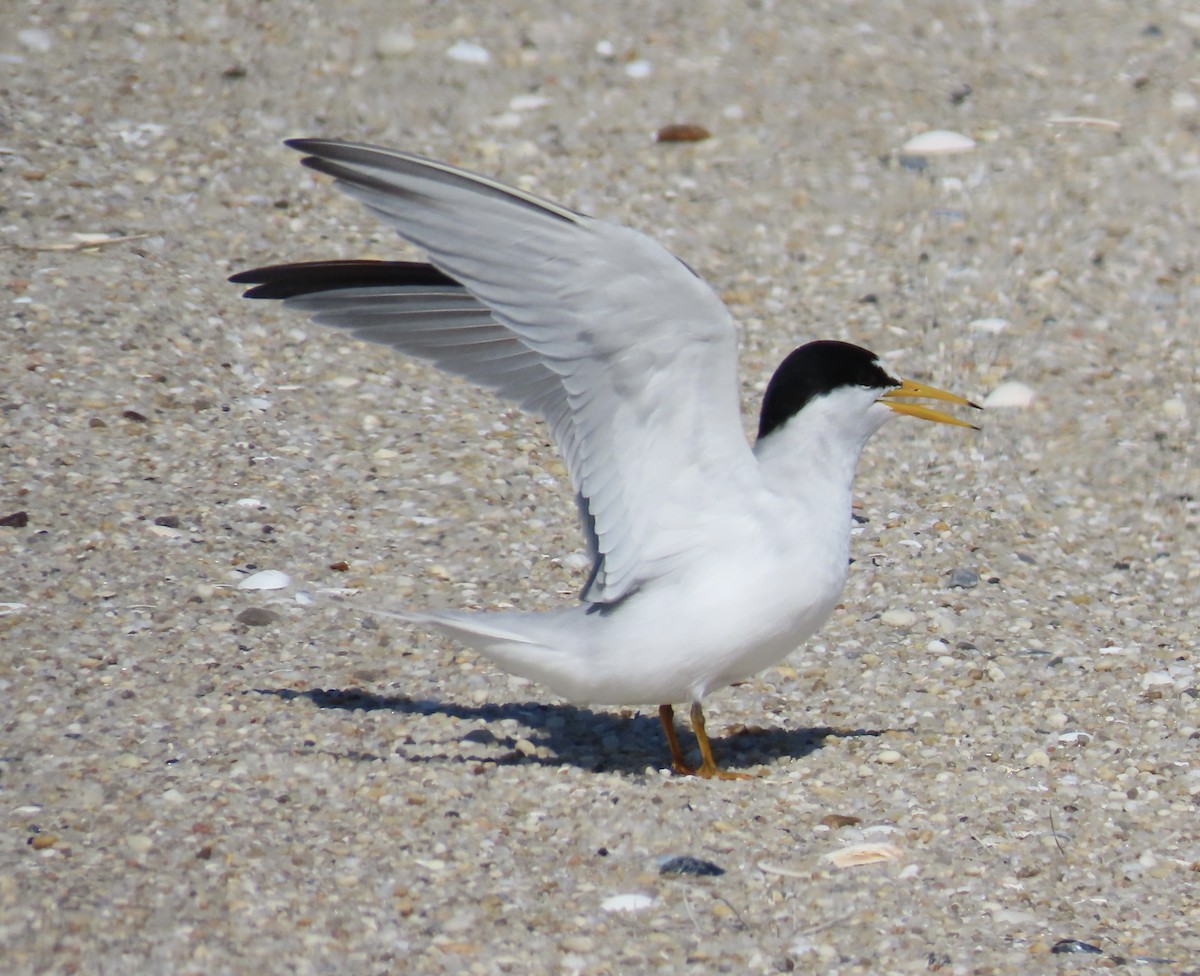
x=711, y=558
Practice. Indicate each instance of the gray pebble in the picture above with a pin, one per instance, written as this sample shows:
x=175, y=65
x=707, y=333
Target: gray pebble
x=257, y=617
x=964, y=578
x=1074, y=945
x=697, y=867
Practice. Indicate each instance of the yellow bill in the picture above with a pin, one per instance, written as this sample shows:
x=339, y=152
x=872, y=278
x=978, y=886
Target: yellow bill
x=910, y=388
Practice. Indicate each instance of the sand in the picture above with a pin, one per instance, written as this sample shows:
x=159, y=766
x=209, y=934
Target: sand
x=197, y=778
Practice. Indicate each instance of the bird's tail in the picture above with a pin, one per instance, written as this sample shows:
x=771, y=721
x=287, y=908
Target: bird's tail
x=523, y=643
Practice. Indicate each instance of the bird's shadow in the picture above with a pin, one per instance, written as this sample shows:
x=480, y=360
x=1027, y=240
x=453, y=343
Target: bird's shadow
x=563, y=734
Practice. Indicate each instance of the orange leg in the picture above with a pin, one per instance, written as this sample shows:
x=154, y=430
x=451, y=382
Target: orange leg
x=666, y=715
x=708, y=768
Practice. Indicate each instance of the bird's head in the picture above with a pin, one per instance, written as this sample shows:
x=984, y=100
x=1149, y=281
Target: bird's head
x=851, y=386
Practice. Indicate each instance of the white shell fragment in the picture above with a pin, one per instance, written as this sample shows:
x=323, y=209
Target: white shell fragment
x=528, y=103
x=991, y=326
x=632, y=902
x=898, y=617
x=395, y=43
x=1088, y=120
x=468, y=53
x=858, y=854
x=267, y=579
x=1010, y=394
x=35, y=39
x=938, y=142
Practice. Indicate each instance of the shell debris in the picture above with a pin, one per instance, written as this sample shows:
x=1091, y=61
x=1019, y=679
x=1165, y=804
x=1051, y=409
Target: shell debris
x=267, y=579
x=1010, y=394
x=937, y=142
x=859, y=854
x=631, y=902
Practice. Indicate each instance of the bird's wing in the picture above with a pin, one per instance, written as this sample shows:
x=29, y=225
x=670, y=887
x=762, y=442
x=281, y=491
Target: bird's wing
x=624, y=351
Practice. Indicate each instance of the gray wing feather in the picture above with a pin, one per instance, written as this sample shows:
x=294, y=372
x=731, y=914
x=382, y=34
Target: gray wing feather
x=628, y=356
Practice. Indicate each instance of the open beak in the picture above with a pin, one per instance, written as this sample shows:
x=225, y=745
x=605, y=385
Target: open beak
x=909, y=388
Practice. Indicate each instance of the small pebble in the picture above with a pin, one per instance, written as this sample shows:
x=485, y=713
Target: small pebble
x=682, y=132
x=577, y=561
x=834, y=821
x=1174, y=409
x=395, y=43
x=34, y=39
x=694, y=866
x=139, y=843
x=963, y=578
x=898, y=618
x=257, y=617
x=1074, y=945
x=1184, y=102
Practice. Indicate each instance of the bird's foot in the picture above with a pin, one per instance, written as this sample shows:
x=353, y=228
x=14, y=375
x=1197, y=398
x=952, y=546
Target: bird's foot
x=707, y=769
x=713, y=771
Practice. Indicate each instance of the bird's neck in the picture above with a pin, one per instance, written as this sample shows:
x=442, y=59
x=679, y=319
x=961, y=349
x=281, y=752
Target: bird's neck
x=812, y=456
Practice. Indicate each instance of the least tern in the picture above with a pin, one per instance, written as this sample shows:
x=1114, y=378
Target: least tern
x=711, y=559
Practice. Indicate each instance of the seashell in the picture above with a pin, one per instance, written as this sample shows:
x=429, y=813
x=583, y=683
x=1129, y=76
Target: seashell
x=267, y=579
x=858, y=854
x=468, y=53
x=632, y=902
x=1010, y=394
x=938, y=142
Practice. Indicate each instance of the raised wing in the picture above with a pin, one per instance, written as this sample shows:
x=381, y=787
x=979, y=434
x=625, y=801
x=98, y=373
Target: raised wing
x=627, y=354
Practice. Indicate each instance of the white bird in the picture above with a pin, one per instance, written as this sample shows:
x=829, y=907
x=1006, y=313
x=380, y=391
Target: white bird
x=711, y=559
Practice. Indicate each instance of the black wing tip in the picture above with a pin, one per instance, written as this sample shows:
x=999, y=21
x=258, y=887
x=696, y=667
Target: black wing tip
x=321, y=147
x=284, y=281
x=323, y=155
x=332, y=150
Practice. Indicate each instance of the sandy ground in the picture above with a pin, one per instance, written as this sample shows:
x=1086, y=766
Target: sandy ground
x=316, y=791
